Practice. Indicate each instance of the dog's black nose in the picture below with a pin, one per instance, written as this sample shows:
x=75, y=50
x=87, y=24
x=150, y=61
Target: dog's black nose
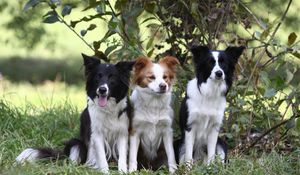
x=219, y=74
x=102, y=90
x=162, y=86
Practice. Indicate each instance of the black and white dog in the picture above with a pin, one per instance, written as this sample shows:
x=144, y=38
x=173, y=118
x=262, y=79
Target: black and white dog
x=104, y=123
x=202, y=109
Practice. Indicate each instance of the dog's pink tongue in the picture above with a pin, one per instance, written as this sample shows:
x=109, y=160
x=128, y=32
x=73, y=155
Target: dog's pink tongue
x=102, y=101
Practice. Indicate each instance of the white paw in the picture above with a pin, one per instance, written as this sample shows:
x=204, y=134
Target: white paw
x=172, y=168
x=104, y=170
x=132, y=167
x=122, y=168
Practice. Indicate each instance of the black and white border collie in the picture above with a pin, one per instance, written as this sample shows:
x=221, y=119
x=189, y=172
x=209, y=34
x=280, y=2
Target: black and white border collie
x=151, y=132
x=202, y=109
x=104, y=123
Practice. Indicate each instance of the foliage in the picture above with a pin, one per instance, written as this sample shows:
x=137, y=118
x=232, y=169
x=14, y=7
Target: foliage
x=264, y=102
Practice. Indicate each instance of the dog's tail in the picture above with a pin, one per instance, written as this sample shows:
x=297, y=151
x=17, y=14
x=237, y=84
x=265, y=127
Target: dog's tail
x=75, y=149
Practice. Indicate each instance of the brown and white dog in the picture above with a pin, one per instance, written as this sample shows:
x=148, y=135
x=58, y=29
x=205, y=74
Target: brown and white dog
x=153, y=115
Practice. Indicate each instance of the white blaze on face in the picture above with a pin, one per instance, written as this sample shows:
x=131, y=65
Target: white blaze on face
x=217, y=66
x=158, y=72
x=102, y=98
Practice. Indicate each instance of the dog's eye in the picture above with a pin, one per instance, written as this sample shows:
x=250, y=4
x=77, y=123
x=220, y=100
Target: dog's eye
x=152, y=77
x=165, y=77
x=99, y=75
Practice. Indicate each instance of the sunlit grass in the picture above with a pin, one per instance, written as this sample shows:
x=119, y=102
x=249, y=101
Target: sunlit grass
x=46, y=95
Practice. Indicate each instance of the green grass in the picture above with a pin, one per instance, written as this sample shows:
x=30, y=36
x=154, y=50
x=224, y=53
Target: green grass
x=50, y=117
x=42, y=96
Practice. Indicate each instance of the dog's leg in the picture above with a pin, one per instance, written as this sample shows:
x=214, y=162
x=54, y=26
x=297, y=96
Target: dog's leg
x=168, y=144
x=100, y=154
x=122, y=150
x=133, y=150
x=189, y=146
x=211, y=144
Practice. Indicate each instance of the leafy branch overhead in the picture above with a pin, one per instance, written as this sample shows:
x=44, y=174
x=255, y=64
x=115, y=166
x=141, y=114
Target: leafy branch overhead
x=265, y=98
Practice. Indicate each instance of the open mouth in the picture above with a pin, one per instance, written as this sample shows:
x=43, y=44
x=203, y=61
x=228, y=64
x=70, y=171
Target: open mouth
x=102, y=100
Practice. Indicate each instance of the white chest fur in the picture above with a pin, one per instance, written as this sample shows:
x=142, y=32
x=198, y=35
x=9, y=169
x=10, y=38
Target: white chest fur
x=107, y=123
x=152, y=117
x=206, y=107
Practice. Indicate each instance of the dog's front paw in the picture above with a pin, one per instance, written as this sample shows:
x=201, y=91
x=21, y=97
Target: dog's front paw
x=104, y=170
x=122, y=169
x=132, y=167
x=172, y=168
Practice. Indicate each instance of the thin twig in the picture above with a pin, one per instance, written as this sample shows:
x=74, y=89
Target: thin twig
x=281, y=20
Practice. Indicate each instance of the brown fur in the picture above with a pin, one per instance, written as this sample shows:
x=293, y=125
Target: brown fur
x=142, y=70
x=169, y=63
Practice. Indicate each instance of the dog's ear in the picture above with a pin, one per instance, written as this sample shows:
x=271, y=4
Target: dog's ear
x=234, y=52
x=140, y=63
x=170, y=62
x=125, y=66
x=199, y=52
x=89, y=61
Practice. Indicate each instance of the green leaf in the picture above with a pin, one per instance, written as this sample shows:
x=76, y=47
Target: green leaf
x=66, y=10
x=289, y=76
x=113, y=23
x=291, y=123
x=52, y=18
x=150, y=53
x=270, y=93
x=91, y=27
x=101, y=8
x=83, y=32
x=296, y=54
x=74, y=23
x=257, y=34
x=292, y=38
x=92, y=4
x=110, y=49
x=89, y=18
x=150, y=42
x=30, y=4
x=265, y=78
x=151, y=7
x=54, y=3
x=96, y=45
